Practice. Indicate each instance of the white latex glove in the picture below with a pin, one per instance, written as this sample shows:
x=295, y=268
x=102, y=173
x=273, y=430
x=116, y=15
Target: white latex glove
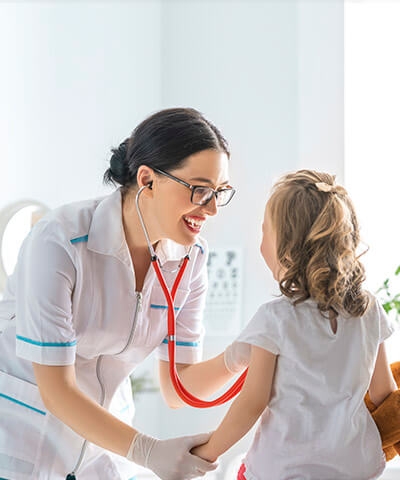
x=237, y=356
x=170, y=459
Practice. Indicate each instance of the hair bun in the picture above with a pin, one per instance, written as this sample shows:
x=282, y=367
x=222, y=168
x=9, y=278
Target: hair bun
x=122, y=149
x=118, y=172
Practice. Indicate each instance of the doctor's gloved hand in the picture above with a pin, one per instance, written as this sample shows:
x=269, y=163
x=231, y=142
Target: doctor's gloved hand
x=237, y=356
x=170, y=459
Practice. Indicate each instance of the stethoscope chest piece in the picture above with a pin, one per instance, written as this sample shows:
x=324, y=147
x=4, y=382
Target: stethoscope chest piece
x=70, y=476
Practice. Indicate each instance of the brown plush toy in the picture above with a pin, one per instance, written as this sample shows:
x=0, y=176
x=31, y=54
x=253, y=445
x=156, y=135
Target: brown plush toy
x=387, y=417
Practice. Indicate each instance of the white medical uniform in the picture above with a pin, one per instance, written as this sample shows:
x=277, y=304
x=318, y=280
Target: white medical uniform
x=317, y=426
x=72, y=300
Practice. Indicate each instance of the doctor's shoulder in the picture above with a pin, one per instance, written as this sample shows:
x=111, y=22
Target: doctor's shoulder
x=76, y=217
x=65, y=223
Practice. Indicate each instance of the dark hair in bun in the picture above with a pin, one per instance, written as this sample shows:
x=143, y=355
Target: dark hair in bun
x=164, y=140
x=118, y=172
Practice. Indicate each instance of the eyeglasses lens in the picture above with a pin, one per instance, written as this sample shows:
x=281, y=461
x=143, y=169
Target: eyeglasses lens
x=224, y=196
x=202, y=195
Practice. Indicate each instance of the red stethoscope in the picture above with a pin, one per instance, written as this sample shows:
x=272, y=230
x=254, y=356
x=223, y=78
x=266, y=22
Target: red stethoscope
x=184, y=394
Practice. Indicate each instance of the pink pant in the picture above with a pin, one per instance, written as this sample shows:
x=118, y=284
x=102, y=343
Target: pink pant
x=241, y=471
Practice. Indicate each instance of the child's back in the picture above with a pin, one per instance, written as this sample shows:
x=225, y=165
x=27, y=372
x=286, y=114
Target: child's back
x=317, y=425
x=316, y=351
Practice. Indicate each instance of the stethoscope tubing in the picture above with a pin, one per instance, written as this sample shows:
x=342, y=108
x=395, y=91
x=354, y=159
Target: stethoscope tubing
x=183, y=393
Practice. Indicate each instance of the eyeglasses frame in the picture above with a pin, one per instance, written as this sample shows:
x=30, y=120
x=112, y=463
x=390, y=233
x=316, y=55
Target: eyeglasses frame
x=193, y=187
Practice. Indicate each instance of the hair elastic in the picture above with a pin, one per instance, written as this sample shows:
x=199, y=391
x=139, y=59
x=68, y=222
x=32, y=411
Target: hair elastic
x=325, y=187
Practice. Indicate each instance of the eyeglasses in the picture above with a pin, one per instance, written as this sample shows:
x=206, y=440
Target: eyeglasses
x=202, y=195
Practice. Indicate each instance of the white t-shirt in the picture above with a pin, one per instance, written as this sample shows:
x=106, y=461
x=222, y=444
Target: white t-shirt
x=317, y=426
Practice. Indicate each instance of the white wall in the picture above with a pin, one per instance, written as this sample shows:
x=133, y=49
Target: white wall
x=236, y=61
x=320, y=53
x=270, y=74
x=76, y=78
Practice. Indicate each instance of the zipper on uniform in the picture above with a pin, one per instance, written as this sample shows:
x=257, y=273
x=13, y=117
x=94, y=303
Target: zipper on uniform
x=138, y=308
x=71, y=476
x=139, y=297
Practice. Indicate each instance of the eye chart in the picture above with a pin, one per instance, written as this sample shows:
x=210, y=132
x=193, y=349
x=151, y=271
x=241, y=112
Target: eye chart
x=222, y=315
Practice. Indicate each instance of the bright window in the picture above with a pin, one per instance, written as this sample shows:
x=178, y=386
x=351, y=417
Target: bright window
x=372, y=134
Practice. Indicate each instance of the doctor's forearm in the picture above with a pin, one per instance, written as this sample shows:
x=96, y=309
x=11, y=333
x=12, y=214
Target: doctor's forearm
x=205, y=378
x=63, y=399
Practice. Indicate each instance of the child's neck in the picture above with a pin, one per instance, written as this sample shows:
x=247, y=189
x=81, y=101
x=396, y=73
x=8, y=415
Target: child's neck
x=333, y=321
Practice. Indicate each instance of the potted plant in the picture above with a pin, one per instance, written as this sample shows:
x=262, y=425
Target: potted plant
x=142, y=383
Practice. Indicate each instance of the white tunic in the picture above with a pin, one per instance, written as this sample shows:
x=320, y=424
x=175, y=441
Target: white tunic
x=72, y=300
x=317, y=426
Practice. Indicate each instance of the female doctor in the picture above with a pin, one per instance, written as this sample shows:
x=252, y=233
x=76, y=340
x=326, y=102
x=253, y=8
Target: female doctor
x=83, y=309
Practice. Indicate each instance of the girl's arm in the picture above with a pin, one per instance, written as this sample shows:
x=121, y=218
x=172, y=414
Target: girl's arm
x=246, y=408
x=201, y=379
x=63, y=398
x=382, y=382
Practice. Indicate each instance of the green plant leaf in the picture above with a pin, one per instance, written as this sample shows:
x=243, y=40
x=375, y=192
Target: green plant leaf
x=387, y=307
x=389, y=302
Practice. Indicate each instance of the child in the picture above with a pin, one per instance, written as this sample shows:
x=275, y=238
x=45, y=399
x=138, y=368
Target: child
x=315, y=350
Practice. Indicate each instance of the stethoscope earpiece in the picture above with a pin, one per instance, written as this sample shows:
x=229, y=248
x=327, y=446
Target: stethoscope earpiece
x=150, y=185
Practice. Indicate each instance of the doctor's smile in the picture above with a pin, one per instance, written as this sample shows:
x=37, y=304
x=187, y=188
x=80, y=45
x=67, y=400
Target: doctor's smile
x=194, y=223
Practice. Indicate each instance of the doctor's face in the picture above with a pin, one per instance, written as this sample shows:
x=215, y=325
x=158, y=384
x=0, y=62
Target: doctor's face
x=176, y=216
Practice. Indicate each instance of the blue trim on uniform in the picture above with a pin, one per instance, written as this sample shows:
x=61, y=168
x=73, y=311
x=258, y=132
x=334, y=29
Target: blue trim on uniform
x=163, y=307
x=22, y=404
x=46, y=344
x=84, y=238
x=183, y=344
x=124, y=409
x=201, y=248
x=132, y=478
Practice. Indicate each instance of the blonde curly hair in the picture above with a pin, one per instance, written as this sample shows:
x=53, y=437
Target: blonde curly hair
x=317, y=237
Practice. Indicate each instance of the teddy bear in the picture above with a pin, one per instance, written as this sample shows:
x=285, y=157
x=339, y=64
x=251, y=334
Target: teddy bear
x=387, y=417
